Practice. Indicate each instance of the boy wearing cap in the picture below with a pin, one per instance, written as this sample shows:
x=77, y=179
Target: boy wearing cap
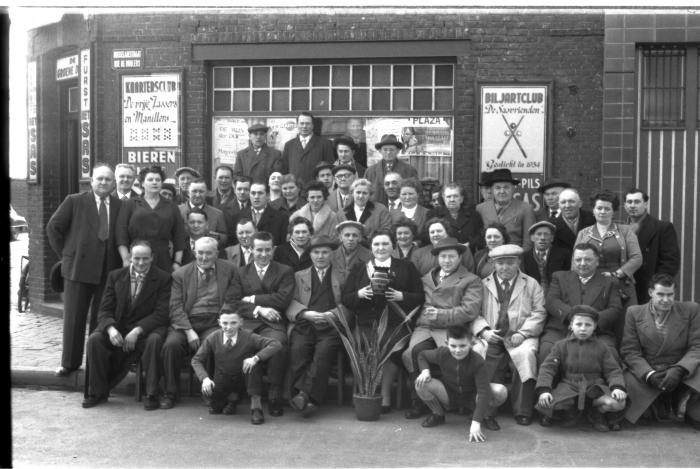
x=511, y=321
x=389, y=147
x=259, y=160
x=590, y=377
x=544, y=259
x=314, y=341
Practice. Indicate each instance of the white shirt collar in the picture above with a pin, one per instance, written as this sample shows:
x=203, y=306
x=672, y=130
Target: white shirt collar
x=234, y=339
x=98, y=200
x=386, y=263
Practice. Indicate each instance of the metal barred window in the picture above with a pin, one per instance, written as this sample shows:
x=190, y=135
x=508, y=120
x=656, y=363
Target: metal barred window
x=663, y=86
x=337, y=87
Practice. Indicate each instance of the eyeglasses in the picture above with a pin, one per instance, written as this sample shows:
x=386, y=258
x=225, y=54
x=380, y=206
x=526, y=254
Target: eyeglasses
x=343, y=176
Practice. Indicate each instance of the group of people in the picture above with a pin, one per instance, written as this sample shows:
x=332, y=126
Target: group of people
x=563, y=311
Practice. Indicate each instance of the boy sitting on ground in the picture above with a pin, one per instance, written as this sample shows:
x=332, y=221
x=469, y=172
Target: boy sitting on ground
x=464, y=383
x=235, y=353
x=590, y=377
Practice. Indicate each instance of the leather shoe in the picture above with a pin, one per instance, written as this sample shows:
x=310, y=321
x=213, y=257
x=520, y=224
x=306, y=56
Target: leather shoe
x=523, y=420
x=433, y=420
x=215, y=410
x=257, y=417
x=491, y=424
x=309, y=410
x=230, y=408
x=299, y=401
x=92, y=401
x=276, y=408
x=417, y=410
x=167, y=401
x=151, y=403
x=545, y=421
x=62, y=372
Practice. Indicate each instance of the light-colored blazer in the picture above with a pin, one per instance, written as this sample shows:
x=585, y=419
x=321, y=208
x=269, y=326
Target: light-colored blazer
x=457, y=299
x=517, y=217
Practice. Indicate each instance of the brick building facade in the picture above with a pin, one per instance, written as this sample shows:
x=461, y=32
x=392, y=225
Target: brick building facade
x=570, y=53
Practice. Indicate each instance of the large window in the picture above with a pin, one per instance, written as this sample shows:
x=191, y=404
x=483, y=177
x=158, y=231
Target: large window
x=663, y=86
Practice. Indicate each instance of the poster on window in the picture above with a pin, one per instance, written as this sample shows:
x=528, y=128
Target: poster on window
x=513, y=134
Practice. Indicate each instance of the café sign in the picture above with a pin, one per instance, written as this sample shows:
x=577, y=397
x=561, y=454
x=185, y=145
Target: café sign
x=68, y=68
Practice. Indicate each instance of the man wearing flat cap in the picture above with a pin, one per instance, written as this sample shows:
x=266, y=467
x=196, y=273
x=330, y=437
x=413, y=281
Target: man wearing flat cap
x=341, y=196
x=350, y=250
x=184, y=176
x=345, y=149
x=453, y=296
x=302, y=153
x=511, y=321
x=389, y=147
x=259, y=160
x=550, y=191
x=517, y=216
x=544, y=259
x=314, y=341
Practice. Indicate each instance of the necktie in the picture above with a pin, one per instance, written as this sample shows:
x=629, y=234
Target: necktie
x=304, y=141
x=229, y=343
x=345, y=200
x=442, y=276
x=103, y=233
x=207, y=273
x=321, y=273
x=137, y=288
x=261, y=273
x=256, y=217
x=540, y=256
x=553, y=213
x=506, y=286
x=124, y=197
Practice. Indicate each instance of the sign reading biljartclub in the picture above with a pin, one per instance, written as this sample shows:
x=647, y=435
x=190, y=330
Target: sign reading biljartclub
x=513, y=134
x=151, y=120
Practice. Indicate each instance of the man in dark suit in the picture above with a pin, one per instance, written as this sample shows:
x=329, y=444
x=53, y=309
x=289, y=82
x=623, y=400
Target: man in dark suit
x=223, y=193
x=266, y=218
x=261, y=292
x=549, y=210
x=125, y=175
x=197, y=227
x=582, y=285
x=199, y=290
x=258, y=161
x=215, y=217
x=463, y=218
x=661, y=348
x=544, y=259
x=242, y=253
x=389, y=147
x=81, y=232
x=571, y=219
x=132, y=324
x=302, y=153
x=657, y=240
x=236, y=207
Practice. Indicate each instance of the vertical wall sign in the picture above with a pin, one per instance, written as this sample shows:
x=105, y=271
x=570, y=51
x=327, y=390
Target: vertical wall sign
x=514, y=134
x=32, y=140
x=85, y=148
x=151, y=120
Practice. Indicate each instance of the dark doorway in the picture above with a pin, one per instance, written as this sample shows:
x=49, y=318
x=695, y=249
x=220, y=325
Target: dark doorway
x=70, y=140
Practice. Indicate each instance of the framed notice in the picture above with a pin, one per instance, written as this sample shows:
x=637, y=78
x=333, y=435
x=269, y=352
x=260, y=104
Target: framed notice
x=514, y=133
x=152, y=120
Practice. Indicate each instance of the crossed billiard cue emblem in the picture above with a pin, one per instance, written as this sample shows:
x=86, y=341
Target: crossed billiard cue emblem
x=512, y=133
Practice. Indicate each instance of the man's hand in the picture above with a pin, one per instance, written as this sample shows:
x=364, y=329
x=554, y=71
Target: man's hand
x=673, y=377
x=249, y=363
x=656, y=378
x=393, y=295
x=475, y=433
x=546, y=399
x=249, y=299
x=365, y=293
x=516, y=339
x=131, y=339
x=491, y=336
x=115, y=337
x=271, y=314
x=192, y=339
x=318, y=318
x=429, y=313
x=423, y=378
x=207, y=387
x=619, y=395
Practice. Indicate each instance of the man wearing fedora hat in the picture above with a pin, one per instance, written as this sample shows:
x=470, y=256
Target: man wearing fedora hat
x=549, y=210
x=350, y=250
x=389, y=147
x=302, y=153
x=485, y=186
x=259, y=160
x=346, y=149
x=516, y=215
x=314, y=341
x=452, y=297
x=544, y=259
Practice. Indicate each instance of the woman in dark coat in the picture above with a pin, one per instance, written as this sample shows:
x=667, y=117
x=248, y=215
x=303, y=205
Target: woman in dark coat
x=367, y=299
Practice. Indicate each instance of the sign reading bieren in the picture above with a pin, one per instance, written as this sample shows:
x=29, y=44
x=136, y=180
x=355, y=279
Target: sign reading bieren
x=514, y=134
x=151, y=123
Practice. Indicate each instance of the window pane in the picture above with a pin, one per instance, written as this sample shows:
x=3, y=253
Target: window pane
x=360, y=100
x=241, y=100
x=423, y=75
x=341, y=75
x=341, y=100
x=443, y=100
x=360, y=75
x=300, y=100
x=222, y=100
x=280, y=77
x=73, y=99
x=319, y=100
x=402, y=75
x=280, y=100
x=422, y=99
x=380, y=100
x=443, y=75
x=261, y=77
x=300, y=76
x=321, y=75
x=402, y=100
x=381, y=75
x=241, y=77
x=222, y=77
x=261, y=100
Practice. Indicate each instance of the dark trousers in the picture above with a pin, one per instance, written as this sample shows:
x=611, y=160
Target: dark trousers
x=312, y=355
x=428, y=344
x=226, y=383
x=500, y=366
x=175, y=349
x=277, y=364
x=110, y=364
x=78, y=298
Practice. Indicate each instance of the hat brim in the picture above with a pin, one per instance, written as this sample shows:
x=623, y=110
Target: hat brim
x=339, y=227
x=563, y=185
x=510, y=180
x=396, y=143
x=461, y=248
x=331, y=245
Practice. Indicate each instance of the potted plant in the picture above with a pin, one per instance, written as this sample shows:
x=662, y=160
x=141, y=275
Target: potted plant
x=368, y=351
